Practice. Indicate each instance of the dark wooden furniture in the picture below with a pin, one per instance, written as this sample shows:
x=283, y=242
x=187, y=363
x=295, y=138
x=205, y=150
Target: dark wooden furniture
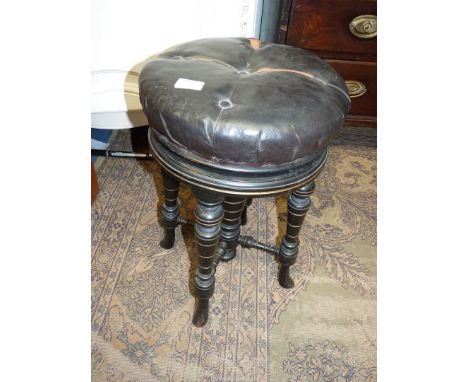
x=344, y=33
x=94, y=183
x=237, y=119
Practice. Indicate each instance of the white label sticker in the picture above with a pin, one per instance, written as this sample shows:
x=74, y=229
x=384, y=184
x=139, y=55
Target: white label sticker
x=184, y=83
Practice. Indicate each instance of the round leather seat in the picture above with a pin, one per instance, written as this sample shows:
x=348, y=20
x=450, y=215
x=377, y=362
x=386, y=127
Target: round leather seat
x=239, y=102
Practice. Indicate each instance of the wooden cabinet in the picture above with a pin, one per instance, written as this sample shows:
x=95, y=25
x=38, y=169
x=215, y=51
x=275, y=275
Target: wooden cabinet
x=344, y=33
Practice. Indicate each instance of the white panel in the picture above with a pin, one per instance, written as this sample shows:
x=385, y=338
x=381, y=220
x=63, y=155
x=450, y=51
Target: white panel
x=124, y=33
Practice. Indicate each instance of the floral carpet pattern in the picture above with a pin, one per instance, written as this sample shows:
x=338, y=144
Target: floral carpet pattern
x=323, y=329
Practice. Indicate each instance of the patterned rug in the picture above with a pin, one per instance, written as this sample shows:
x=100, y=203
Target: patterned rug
x=324, y=329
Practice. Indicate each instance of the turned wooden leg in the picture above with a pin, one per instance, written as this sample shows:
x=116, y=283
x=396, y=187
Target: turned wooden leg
x=230, y=227
x=244, y=211
x=298, y=205
x=208, y=216
x=170, y=210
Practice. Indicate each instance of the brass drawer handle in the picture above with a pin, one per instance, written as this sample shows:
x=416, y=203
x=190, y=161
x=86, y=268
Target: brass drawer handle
x=355, y=88
x=364, y=26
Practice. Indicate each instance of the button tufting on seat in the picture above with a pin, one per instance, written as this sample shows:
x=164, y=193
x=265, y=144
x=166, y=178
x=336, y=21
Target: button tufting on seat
x=242, y=102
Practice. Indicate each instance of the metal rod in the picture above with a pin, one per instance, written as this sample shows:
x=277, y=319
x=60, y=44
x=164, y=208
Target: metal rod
x=250, y=242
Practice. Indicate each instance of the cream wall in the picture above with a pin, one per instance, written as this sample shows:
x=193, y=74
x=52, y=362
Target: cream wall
x=124, y=33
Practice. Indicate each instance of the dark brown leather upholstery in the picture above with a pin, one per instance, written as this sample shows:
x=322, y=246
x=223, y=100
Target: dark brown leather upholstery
x=261, y=104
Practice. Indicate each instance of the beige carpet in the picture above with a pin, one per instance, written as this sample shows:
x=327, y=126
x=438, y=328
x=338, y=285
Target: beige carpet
x=324, y=329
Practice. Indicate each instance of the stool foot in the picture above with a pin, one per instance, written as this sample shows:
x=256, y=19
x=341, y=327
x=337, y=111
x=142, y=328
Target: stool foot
x=200, y=316
x=167, y=242
x=222, y=252
x=228, y=255
x=298, y=205
x=208, y=215
x=244, y=211
x=284, y=277
x=170, y=210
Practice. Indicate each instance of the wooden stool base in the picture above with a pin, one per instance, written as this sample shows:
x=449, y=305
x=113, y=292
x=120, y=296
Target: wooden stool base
x=217, y=230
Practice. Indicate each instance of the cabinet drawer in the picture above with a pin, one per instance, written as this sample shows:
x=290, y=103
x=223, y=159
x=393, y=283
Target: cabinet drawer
x=324, y=26
x=362, y=78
